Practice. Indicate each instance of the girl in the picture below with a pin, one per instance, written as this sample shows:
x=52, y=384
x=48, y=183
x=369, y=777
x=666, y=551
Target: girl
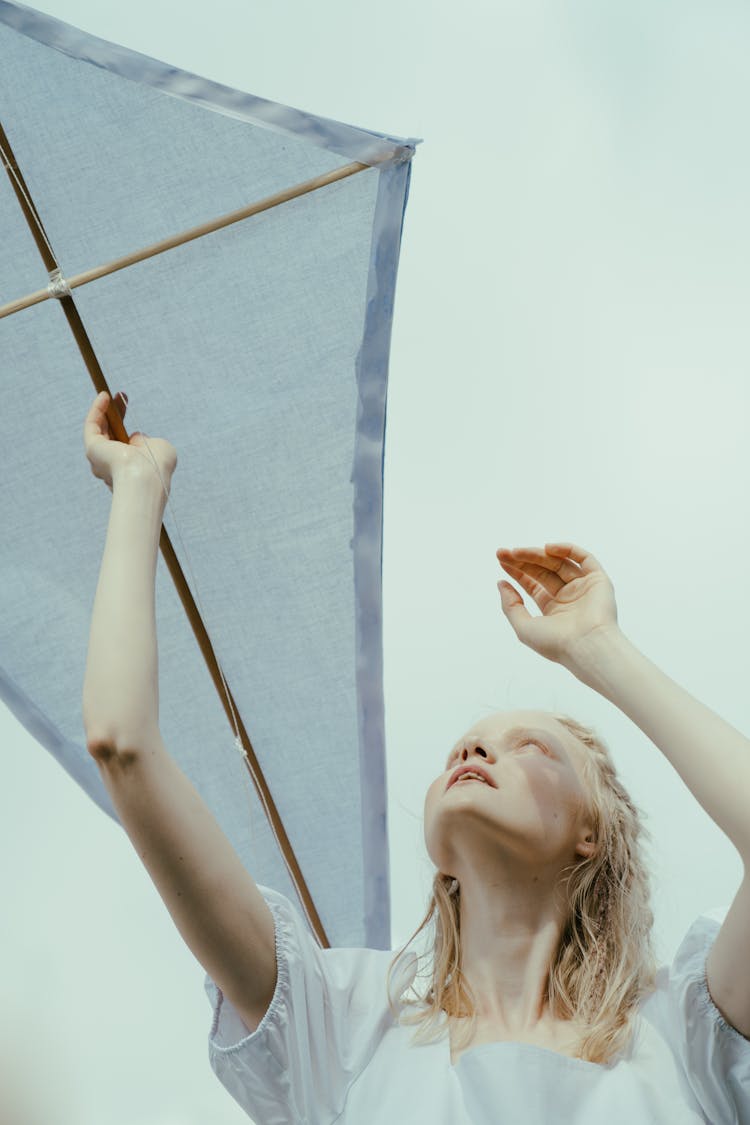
x=544, y=1003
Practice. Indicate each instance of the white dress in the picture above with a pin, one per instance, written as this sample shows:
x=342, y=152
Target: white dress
x=328, y=1050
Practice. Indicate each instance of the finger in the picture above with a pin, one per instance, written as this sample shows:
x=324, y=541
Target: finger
x=523, y=556
x=554, y=573
x=93, y=424
x=532, y=572
x=540, y=591
x=527, y=554
x=584, y=558
x=514, y=609
x=99, y=405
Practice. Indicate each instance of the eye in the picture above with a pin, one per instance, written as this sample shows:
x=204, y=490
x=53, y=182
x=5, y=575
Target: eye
x=520, y=746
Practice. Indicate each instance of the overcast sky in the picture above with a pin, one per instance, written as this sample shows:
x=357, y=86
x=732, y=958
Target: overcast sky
x=569, y=361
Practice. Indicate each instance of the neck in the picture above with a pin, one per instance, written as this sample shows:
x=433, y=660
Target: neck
x=509, y=938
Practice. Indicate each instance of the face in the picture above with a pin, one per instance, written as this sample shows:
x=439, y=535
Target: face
x=534, y=816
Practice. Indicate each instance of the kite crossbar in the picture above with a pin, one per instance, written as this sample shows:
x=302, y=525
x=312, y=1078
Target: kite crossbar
x=54, y=288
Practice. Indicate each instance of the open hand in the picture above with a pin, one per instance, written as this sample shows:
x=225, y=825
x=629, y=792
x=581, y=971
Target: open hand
x=570, y=587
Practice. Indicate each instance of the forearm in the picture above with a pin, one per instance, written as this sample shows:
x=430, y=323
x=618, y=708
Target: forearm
x=121, y=691
x=711, y=757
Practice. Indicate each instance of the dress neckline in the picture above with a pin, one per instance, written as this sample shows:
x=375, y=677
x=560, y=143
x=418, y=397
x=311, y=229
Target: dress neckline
x=497, y=1046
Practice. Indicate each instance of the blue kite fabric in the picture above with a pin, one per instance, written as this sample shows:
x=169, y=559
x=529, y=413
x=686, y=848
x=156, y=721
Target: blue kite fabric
x=261, y=352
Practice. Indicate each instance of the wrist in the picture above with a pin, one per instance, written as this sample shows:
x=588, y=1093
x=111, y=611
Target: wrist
x=137, y=472
x=593, y=658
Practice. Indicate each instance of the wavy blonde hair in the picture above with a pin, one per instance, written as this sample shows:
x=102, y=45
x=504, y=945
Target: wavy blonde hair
x=605, y=963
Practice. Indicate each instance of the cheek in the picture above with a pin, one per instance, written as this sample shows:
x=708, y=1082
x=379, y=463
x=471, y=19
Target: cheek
x=432, y=796
x=429, y=795
x=559, y=803
x=430, y=821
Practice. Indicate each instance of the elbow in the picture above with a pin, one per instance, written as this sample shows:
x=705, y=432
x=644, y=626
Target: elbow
x=100, y=746
x=102, y=749
x=105, y=751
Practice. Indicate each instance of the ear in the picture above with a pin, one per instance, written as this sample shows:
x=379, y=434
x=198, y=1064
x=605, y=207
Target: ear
x=586, y=847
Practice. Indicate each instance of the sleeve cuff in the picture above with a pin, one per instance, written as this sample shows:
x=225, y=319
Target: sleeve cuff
x=229, y=1032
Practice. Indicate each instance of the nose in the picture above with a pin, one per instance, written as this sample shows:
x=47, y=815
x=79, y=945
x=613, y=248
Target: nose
x=475, y=748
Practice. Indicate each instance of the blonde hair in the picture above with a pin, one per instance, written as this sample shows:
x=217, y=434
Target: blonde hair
x=605, y=963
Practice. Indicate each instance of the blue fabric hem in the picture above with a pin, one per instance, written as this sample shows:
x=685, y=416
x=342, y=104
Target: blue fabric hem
x=364, y=145
x=367, y=544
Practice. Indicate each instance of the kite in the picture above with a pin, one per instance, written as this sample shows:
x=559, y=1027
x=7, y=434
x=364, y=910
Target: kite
x=230, y=262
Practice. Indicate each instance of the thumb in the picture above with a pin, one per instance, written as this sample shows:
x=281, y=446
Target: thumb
x=513, y=608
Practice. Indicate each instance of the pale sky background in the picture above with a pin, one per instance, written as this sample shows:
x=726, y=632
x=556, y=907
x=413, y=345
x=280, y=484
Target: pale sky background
x=569, y=361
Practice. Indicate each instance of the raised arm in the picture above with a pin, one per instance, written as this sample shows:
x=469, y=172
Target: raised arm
x=214, y=902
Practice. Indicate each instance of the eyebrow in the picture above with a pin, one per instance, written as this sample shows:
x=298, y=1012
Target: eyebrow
x=511, y=735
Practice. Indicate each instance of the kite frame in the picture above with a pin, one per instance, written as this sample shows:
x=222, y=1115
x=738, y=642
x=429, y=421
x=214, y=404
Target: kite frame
x=393, y=156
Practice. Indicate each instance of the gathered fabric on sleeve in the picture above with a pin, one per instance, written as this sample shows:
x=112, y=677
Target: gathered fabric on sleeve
x=329, y=1051
x=714, y=1055
x=328, y=1013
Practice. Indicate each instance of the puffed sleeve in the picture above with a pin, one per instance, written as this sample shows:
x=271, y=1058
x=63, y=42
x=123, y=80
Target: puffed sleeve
x=715, y=1056
x=328, y=1013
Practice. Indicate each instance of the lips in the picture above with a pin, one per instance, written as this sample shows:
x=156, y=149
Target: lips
x=470, y=769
